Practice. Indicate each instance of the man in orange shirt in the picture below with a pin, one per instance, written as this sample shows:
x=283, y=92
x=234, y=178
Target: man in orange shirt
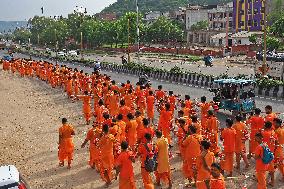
x=160, y=94
x=260, y=167
x=192, y=152
x=196, y=123
x=122, y=125
x=279, y=154
x=124, y=168
x=139, y=119
x=86, y=98
x=204, y=107
x=228, y=136
x=172, y=100
x=163, y=170
x=124, y=110
x=106, y=145
x=66, y=146
x=165, y=122
x=147, y=128
x=256, y=124
x=269, y=137
x=150, y=106
x=131, y=130
x=145, y=150
x=212, y=126
x=93, y=136
x=204, y=162
x=270, y=116
x=240, y=147
x=217, y=179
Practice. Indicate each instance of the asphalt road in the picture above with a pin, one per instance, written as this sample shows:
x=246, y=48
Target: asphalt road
x=194, y=91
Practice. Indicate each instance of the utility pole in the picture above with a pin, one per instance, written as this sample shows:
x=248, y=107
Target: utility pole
x=227, y=26
x=264, y=38
x=82, y=58
x=56, y=43
x=128, y=40
x=264, y=68
x=138, y=31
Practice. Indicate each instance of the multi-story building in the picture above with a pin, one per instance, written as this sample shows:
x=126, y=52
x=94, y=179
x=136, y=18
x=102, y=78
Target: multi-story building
x=248, y=15
x=196, y=14
x=221, y=17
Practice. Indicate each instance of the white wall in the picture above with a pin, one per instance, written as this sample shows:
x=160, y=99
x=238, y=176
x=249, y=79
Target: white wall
x=194, y=16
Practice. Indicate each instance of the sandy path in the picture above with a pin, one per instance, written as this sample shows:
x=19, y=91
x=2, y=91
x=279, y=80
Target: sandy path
x=30, y=114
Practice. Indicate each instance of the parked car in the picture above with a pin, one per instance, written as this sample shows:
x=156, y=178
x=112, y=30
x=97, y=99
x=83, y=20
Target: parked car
x=72, y=53
x=61, y=54
x=10, y=178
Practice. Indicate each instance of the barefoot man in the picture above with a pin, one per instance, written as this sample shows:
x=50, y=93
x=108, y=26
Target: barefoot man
x=66, y=146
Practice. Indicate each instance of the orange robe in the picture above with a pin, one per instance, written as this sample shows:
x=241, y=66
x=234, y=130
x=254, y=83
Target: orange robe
x=87, y=107
x=260, y=168
x=146, y=177
x=126, y=176
x=204, y=107
x=229, y=142
x=150, y=107
x=217, y=183
x=240, y=137
x=106, y=144
x=131, y=129
x=256, y=124
x=66, y=146
x=93, y=136
x=164, y=124
x=163, y=170
x=212, y=126
x=192, y=152
x=202, y=173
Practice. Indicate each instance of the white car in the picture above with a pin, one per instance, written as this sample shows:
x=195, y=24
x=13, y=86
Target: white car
x=73, y=53
x=10, y=178
x=61, y=54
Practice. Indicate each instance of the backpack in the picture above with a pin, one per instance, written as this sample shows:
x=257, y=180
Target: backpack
x=267, y=155
x=150, y=162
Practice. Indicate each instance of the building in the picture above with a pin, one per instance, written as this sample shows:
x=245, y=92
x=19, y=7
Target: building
x=248, y=15
x=193, y=15
x=234, y=39
x=196, y=14
x=107, y=16
x=152, y=16
x=219, y=17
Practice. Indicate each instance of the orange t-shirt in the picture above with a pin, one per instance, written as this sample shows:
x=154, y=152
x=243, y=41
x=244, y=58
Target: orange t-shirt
x=192, y=146
x=229, y=137
x=260, y=166
x=240, y=131
x=125, y=164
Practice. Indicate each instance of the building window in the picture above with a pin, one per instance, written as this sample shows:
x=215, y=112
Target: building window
x=242, y=12
x=230, y=23
x=239, y=41
x=249, y=11
x=262, y=9
x=262, y=22
x=230, y=14
x=249, y=23
x=242, y=23
x=255, y=23
x=255, y=10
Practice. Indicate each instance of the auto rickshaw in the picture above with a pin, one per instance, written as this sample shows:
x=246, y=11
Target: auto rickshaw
x=235, y=95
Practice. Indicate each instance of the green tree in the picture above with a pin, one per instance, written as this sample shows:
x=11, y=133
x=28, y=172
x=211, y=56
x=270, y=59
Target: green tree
x=277, y=27
x=273, y=43
x=22, y=35
x=253, y=38
x=201, y=25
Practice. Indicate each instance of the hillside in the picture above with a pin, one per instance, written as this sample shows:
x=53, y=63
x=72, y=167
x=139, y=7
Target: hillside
x=122, y=6
x=10, y=26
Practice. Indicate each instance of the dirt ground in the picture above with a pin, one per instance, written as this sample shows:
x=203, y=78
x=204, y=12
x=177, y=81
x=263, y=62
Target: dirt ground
x=30, y=115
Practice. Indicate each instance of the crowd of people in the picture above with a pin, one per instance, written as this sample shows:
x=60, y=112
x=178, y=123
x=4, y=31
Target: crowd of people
x=137, y=122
